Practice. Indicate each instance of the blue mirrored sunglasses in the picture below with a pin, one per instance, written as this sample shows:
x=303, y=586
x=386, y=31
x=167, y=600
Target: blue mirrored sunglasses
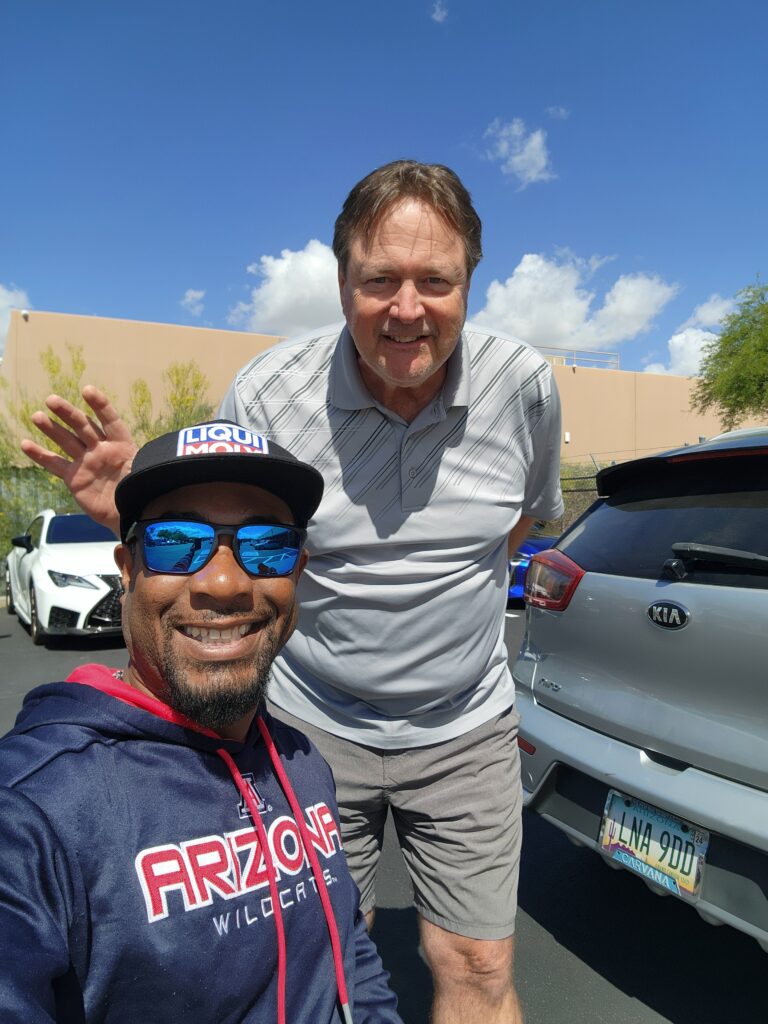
x=181, y=547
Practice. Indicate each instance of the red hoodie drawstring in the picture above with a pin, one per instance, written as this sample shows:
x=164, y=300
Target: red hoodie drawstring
x=110, y=681
x=245, y=792
x=322, y=889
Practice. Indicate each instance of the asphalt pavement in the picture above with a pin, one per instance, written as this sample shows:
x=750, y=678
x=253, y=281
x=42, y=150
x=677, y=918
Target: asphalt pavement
x=594, y=946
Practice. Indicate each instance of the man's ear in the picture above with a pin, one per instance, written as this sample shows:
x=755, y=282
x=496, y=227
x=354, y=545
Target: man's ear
x=294, y=616
x=342, y=282
x=124, y=559
x=302, y=563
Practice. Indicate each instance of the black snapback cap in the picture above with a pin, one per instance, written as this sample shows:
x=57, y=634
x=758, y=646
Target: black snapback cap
x=220, y=451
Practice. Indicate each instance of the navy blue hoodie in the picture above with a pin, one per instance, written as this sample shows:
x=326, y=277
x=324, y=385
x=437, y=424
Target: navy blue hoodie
x=133, y=886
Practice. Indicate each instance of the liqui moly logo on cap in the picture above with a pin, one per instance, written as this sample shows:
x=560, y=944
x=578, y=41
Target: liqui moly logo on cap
x=220, y=439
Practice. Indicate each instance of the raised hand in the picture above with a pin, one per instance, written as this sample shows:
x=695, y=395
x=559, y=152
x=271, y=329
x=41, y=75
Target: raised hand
x=100, y=450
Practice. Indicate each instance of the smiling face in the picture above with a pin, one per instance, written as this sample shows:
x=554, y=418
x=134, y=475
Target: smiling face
x=204, y=643
x=404, y=295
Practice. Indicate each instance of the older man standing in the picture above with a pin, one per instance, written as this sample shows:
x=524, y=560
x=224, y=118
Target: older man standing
x=439, y=444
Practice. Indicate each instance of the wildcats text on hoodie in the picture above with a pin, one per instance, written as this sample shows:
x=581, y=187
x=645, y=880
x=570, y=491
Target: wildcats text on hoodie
x=153, y=871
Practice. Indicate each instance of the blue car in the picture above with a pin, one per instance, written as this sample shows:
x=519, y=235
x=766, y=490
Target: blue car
x=518, y=566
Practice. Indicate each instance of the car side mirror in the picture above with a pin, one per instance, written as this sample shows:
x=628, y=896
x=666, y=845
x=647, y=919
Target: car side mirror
x=23, y=541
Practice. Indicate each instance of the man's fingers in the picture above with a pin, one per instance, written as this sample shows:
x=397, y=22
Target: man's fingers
x=45, y=459
x=97, y=430
x=73, y=418
x=105, y=424
x=68, y=441
x=114, y=426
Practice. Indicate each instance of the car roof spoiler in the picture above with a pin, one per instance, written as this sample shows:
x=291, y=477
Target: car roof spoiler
x=655, y=468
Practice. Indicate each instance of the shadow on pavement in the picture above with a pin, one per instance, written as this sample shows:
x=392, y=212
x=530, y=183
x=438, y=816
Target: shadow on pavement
x=654, y=949
x=396, y=935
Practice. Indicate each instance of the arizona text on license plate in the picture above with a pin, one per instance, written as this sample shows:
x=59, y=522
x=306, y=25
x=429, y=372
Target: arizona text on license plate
x=654, y=844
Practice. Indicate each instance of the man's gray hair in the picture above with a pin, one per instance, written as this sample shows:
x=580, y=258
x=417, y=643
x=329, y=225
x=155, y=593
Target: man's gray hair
x=433, y=184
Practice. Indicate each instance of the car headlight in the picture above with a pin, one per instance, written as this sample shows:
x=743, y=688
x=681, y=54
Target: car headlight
x=65, y=579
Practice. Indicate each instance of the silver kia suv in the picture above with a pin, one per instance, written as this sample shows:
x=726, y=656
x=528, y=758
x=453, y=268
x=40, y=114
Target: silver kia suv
x=642, y=679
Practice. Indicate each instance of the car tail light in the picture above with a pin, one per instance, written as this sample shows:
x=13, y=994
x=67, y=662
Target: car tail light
x=551, y=580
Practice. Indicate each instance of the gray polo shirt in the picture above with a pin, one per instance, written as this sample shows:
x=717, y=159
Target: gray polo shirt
x=400, y=633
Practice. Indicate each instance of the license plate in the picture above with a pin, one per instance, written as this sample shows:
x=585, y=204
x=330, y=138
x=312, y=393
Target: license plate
x=654, y=844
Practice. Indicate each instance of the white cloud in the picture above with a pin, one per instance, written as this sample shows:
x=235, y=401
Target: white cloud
x=628, y=309
x=710, y=313
x=686, y=349
x=559, y=113
x=546, y=302
x=686, y=346
x=439, y=12
x=522, y=154
x=193, y=301
x=11, y=297
x=298, y=291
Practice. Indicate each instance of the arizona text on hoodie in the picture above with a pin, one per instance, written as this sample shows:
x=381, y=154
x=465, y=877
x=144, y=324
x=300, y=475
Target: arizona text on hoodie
x=137, y=886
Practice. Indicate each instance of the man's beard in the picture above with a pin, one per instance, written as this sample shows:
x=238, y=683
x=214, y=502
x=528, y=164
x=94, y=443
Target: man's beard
x=232, y=689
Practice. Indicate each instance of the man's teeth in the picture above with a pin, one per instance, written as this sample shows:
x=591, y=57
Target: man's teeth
x=222, y=636
x=405, y=341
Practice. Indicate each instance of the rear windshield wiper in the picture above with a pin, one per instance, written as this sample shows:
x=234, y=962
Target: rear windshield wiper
x=688, y=552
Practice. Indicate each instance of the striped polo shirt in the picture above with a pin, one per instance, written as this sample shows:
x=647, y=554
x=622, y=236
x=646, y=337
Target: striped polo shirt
x=400, y=633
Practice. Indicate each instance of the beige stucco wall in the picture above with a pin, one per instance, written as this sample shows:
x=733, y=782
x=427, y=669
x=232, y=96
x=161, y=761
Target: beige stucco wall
x=619, y=414
x=608, y=414
x=117, y=352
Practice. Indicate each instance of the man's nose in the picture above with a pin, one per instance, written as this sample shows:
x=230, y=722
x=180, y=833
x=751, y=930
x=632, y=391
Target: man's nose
x=222, y=577
x=407, y=304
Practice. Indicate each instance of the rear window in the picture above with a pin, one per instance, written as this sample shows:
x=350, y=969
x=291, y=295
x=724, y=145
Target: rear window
x=632, y=532
x=77, y=529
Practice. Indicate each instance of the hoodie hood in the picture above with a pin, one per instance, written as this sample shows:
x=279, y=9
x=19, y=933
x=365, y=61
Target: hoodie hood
x=104, y=702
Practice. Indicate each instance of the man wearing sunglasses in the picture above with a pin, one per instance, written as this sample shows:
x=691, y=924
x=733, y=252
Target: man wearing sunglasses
x=169, y=851
x=439, y=442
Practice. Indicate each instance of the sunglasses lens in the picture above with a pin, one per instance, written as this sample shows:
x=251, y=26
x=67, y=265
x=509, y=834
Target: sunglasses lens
x=268, y=550
x=174, y=546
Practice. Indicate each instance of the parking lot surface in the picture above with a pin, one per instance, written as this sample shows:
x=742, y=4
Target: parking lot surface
x=594, y=946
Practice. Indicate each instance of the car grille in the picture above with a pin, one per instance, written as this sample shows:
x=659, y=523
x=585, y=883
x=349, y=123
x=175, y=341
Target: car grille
x=107, y=613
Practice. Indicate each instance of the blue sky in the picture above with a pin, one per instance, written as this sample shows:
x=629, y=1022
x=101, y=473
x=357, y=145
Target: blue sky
x=184, y=161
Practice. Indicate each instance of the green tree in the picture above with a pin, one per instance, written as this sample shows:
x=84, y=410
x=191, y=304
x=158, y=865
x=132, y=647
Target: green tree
x=64, y=378
x=24, y=489
x=8, y=449
x=734, y=370
x=185, y=401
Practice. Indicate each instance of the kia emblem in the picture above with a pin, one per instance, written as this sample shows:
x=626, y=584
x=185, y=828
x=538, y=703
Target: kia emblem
x=668, y=615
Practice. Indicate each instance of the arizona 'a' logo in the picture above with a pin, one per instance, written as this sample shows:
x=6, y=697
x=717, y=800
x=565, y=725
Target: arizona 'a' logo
x=242, y=808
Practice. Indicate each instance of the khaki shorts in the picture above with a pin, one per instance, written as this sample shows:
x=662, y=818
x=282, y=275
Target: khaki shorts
x=457, y=809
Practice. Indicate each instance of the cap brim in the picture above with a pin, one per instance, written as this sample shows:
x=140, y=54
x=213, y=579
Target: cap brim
x=300, y=486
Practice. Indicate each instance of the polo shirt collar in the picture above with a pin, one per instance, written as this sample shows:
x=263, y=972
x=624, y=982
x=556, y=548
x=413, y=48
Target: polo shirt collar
x=456, y=389
x=347, y=390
